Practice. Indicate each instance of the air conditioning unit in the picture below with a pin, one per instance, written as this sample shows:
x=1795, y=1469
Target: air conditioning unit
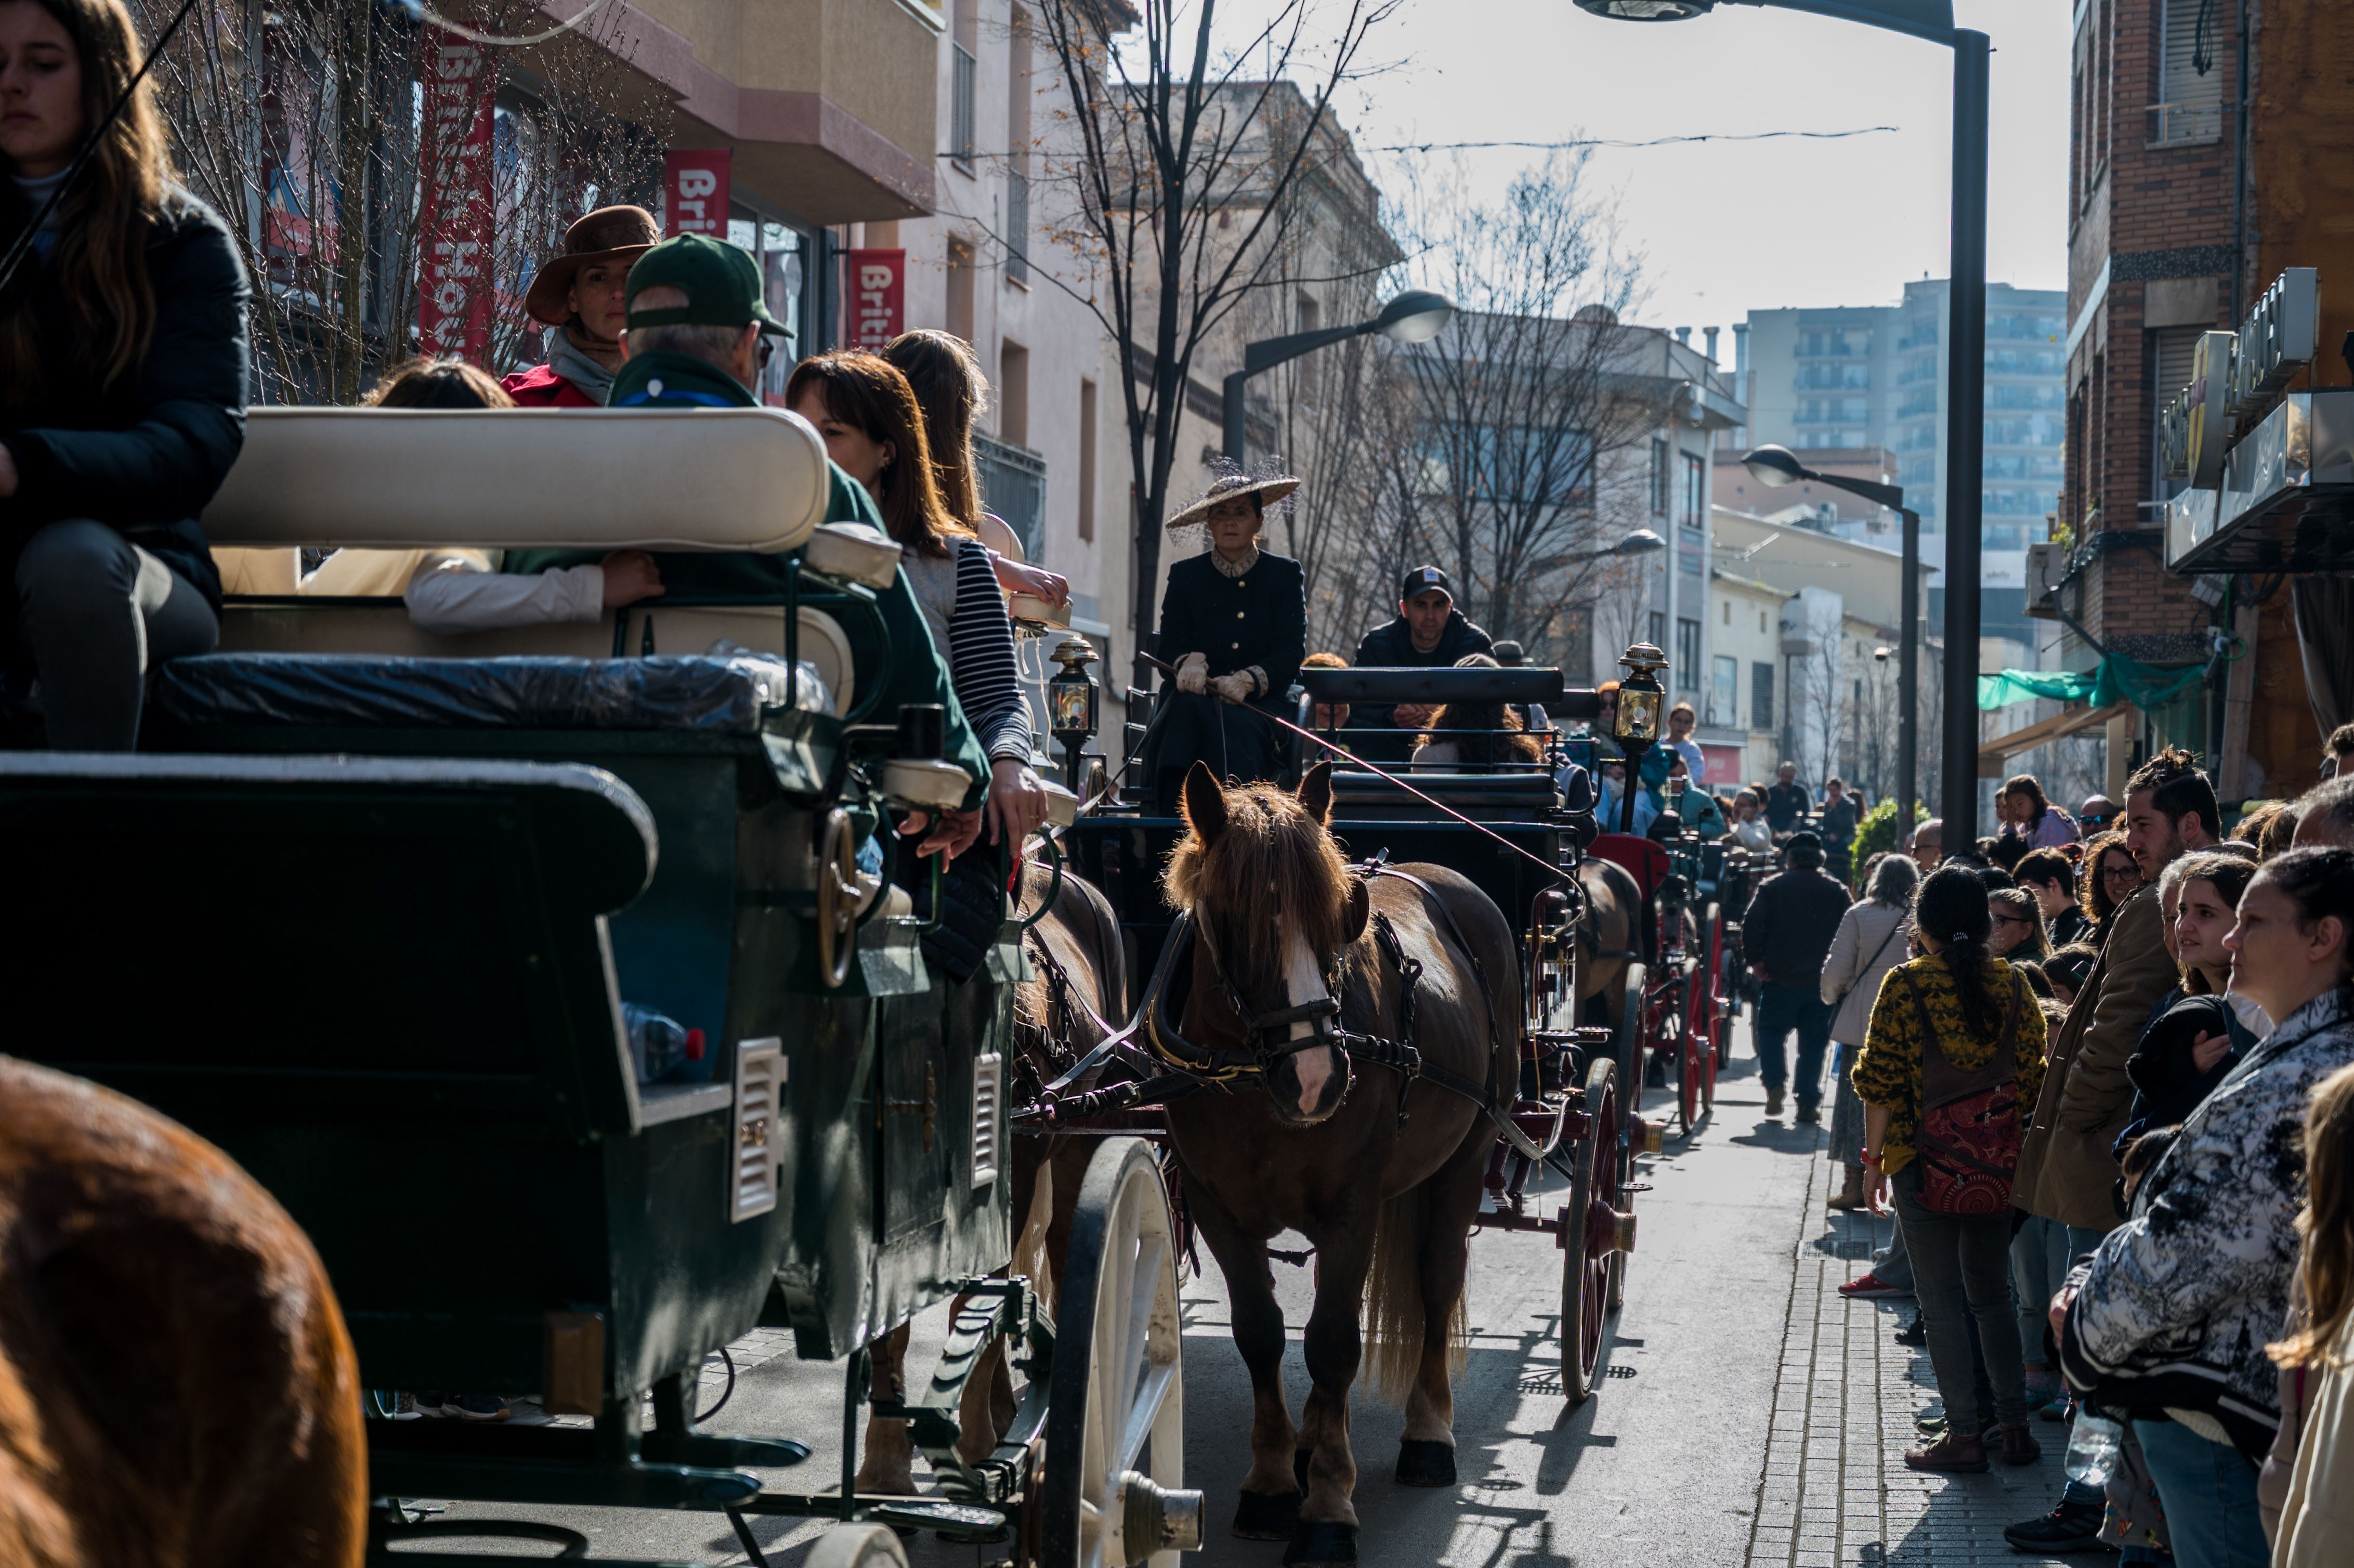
x=2045, y=566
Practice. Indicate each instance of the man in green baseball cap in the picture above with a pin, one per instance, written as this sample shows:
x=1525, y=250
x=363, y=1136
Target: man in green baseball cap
x=694, y=307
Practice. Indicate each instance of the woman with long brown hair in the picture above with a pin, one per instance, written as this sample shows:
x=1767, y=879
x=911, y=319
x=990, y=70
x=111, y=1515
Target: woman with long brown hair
x=123, y=376
x=1478, y=737
x=875, y=432
x=2316, y=1359
x=2110, y=877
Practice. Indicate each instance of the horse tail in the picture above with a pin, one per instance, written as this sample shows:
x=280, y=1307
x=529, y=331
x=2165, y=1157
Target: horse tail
x=1394, y=1322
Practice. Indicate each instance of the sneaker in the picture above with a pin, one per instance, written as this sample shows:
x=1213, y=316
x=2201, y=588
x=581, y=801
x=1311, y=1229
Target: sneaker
x=1773, y=1102
x=1870, y=1287
x=2071, y=1527
x=1810, y=1115
x=1961, y=1456
x=2019, y=1444
x=474, y=1406
x=2056, y=1410
x=1916, y=1334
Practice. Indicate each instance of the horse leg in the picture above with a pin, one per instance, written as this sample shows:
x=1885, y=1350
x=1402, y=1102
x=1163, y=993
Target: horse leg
x=887, y=1469
x=1327, y=1533
x=1427, y=1456
x=1269, y=1505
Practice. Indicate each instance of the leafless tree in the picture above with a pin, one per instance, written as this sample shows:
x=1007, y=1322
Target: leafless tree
x=305, y=123
x=1177, y=155
x=1531, y=402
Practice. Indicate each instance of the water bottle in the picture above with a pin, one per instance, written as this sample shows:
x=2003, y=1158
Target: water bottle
x=658, y=1045
x=2093, y=1449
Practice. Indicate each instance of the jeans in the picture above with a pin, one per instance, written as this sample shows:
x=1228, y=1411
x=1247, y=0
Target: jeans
x=1782, y=1008
x=2038, y=1268
x=2208, y=1492
x=1897, y=1268
x=98, y=613
x=1961, y=1271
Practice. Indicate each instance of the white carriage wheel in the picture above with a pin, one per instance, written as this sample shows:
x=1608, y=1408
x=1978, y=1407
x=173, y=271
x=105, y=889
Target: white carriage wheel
x=858, y=1546
x=1115, y=1403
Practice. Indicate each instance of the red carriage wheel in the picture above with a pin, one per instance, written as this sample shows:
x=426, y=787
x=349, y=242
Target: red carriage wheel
x=1590, y=1235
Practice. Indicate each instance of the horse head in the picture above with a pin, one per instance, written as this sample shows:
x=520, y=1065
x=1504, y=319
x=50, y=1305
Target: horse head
x=1274, y=910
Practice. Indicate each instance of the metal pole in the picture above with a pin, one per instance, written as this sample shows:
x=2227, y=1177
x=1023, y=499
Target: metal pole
x=1964, y=439
x=1908, y=680
x=1237, y=433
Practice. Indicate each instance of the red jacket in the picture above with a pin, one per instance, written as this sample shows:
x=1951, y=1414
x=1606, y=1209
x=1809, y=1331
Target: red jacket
x=542, y=388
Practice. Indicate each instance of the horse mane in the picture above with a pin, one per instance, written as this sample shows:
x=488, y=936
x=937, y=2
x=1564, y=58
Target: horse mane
x=1272, y=859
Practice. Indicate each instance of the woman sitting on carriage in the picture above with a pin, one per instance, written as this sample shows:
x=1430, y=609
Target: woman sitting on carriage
x=1478, y=737
x=1234, y=623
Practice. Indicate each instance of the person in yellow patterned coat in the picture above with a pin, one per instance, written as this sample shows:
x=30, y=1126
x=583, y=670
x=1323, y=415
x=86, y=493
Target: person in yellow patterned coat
x=1971, y=1008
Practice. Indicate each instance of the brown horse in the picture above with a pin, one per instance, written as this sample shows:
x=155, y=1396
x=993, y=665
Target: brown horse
x=1384, y=1185
x=1078, y=980
x=176, y=1388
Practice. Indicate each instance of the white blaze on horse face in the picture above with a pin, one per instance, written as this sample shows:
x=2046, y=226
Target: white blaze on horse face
x=1303, y=983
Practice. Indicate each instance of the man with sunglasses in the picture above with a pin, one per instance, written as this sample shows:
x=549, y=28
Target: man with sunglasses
x=2098, y=815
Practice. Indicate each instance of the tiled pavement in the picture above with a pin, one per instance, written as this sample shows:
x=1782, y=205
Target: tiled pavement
x=1834, y=1490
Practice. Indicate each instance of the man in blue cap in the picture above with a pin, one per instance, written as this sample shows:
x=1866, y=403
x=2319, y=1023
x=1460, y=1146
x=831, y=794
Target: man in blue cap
x=1429, y=633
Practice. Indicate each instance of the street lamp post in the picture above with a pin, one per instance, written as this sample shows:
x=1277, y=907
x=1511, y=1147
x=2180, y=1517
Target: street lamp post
x=1416, y=315
x=1966, y=358
x=1778, y=466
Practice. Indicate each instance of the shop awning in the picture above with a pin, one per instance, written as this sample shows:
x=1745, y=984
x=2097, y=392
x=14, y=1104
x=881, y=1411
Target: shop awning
x=1994, y=755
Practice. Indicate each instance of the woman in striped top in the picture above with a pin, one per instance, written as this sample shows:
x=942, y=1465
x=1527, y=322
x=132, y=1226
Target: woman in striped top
x=874, y=431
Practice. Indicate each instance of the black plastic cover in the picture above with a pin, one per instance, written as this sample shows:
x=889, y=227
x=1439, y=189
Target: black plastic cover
x=664, y=691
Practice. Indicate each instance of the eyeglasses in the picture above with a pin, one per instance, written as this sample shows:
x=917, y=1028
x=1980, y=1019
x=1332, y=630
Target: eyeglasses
x=2012, y=920
x=2119, y=873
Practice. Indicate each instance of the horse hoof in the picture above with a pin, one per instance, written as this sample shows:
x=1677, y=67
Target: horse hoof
x=1266, y=1516
x=1316, y=1543
x=1299, y=1458
x=1426, y=1464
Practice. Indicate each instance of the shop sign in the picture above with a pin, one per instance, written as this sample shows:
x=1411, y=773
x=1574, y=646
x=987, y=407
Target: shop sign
x=454, y=226
x=2206, y=409
x=878, y=298
x=2277, y=341
x=695, y=193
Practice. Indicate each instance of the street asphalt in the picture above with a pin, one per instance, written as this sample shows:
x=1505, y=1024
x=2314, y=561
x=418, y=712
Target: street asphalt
x=1660, y=1467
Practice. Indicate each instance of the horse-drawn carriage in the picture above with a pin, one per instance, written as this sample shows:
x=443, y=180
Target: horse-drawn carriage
x=387, y=919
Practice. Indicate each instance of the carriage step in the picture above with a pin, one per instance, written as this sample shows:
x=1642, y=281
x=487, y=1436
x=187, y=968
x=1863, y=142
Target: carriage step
x=1583, y=1034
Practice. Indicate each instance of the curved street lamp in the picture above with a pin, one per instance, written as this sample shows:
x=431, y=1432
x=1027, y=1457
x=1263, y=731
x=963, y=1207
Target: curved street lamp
x=1966, y=360
x=1414, y=315
x=1778, y=466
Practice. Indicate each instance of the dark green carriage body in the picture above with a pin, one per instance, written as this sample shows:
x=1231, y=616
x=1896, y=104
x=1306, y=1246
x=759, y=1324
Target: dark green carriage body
x=380, y=966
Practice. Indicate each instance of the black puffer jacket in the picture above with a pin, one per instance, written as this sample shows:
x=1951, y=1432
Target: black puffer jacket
x=145, y=456
x=1391, y=646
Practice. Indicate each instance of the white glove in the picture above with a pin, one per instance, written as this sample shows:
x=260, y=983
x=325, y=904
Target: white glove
x=1234, y=688
x=1194, y=673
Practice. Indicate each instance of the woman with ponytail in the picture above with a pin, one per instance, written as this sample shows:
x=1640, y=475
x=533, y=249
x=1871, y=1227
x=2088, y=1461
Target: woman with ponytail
x=2166, y=1324
x=1951, y=1064
x=122, y=377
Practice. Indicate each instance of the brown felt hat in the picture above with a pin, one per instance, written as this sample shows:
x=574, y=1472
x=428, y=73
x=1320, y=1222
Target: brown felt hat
x=607, y=234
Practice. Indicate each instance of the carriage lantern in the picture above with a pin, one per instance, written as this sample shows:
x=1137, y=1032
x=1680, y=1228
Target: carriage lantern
x=1071, y=697
x=1635, y=724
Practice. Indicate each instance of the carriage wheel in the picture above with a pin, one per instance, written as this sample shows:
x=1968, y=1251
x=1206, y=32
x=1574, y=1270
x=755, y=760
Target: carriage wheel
x=1626, y=1096
x=1589, y=1257
x=1718, y=1024
x=1692, y=1050
x=858, y=1546
x=1116, y=1405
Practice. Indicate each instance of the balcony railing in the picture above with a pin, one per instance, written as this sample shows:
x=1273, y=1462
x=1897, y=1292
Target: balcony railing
x=961, y=104
x=2177, y=124
x=1013, y=486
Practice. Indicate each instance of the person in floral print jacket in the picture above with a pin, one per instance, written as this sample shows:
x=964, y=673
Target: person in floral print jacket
x=2169, y=1320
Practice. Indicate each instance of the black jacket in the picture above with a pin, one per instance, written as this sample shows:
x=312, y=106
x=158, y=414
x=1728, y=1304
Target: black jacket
x=1391, y=646
x=1790, y=923
x=145, y=456
x=1258, y=618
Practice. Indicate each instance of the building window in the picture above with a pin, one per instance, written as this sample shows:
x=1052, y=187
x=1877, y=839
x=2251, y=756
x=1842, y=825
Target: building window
x=960, y=272
x=1761, y=694
x=1659, y=638
x=1687, y=655
x=1726, y=615
x=1013, y=392
x=2190, y=87
x=1087, y=459
x=1695, y=489
x=962, y=70
x=1659, y=477
x=1017, y=149
x=1724, y=691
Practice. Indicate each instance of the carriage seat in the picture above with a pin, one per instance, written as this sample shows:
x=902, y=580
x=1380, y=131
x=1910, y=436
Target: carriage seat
x=1360, y=792
x=1643, y=859
x=1525, y=684
x=365, y=691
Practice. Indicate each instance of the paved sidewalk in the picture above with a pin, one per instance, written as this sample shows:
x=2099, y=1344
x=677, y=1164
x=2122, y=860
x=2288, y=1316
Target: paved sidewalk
x=1834, y=1490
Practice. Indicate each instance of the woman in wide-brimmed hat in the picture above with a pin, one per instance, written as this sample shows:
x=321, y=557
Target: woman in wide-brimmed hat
x=1233, y=620
x=581, y=293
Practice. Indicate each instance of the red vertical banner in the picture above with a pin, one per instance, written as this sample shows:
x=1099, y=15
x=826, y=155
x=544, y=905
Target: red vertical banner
x=453, y=220
x=695, y=193
x=878, y=297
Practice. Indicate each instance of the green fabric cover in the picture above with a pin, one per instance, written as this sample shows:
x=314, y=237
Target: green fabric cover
x=2117, y=679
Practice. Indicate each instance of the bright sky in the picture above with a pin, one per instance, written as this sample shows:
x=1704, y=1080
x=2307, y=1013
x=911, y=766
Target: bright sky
x=1735, y=227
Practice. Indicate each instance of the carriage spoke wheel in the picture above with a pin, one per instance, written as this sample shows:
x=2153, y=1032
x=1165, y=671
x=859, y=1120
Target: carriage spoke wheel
x=1114, y=1494
x=1615, y=1134
x=1589, y=1251
x=1720, y=998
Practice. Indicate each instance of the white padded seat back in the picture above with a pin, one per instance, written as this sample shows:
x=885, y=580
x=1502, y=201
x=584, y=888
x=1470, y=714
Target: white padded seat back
x=593, y=479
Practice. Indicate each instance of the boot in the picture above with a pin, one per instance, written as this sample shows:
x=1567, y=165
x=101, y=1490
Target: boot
x=1952, y=1452
x=1851, y=1195
x=2019, y=1444
x=1773, y=1102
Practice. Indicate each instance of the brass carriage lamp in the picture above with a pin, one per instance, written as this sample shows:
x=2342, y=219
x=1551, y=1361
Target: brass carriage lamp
x=1071, y=698
x=1635, y=722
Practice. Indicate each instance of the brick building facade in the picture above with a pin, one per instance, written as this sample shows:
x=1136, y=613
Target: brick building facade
x=2195, y=176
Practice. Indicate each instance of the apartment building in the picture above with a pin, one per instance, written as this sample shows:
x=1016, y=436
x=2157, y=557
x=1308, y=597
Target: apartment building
x=1745, y=682
x=2196, y=175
